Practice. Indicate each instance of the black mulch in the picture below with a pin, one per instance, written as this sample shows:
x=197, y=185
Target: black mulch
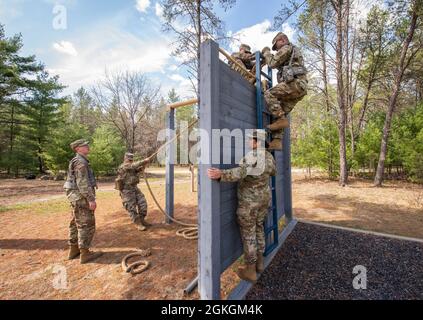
x=317, y=263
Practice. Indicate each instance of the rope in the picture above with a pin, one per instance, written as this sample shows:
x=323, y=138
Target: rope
x=136, y=267
x=189, y=232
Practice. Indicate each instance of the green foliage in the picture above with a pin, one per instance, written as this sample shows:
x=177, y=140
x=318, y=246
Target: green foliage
x=58, y=151
x=107, y=150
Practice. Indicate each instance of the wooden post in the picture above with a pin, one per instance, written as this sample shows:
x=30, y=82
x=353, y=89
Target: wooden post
x=170, y=167
x=287, y=182
x=209, y=263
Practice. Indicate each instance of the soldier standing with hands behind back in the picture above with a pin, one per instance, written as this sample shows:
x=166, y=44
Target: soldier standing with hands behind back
x=80, y=189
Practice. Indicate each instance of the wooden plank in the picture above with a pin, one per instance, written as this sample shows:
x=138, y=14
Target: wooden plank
x=209, y=205
x=170, y=165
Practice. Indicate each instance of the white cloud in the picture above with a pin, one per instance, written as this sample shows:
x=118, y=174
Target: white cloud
x=182, y=85
x=159, y=10
x=66, y=47
x=120, y=50
x=142, y=5
x=258, y=36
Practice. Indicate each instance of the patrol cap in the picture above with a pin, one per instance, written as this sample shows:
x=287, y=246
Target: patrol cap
x=79, y=143
x=129, y=156
x=246, y=47
x=279, y=36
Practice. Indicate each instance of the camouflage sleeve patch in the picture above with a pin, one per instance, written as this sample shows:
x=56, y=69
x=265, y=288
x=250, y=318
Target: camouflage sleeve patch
x=82, y=182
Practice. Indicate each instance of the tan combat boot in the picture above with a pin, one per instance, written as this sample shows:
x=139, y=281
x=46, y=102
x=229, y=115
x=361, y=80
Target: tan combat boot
x=141, y=227
x=87, y=255
x=260, y=264
x=248, y=273
x=278, y=125
x=276, y=144
x=73, y=252
x=145, y=223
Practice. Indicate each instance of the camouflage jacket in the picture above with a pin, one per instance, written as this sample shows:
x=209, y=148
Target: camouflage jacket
x=253, y=176
x=283, y=57
x=128, y=175
x=81, y=182
x=247, y=58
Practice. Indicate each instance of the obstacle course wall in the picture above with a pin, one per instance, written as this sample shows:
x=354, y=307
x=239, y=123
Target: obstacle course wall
x=227, y=101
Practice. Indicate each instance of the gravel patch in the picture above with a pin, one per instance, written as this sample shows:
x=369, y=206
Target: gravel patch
x=317, y=263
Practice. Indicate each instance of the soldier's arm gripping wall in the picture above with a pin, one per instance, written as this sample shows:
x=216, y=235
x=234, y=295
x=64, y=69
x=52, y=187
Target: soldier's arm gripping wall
x=235, y=174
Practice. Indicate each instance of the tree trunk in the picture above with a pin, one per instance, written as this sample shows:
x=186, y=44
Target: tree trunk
x=393, y=100
x=343, y=173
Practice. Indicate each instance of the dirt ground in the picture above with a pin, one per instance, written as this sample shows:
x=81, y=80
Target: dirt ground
x=34, y=216
x=397, y=208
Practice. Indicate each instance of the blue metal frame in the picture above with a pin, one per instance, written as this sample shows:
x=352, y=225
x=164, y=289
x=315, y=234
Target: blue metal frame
x=271, y=231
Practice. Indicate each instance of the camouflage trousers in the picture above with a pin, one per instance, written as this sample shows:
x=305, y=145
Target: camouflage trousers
x=251, y=217
x=82, y=225
x=282, y=98
x=135, y=203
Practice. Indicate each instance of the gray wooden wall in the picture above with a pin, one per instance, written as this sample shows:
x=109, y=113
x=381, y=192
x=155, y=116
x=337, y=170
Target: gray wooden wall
x=227, y=102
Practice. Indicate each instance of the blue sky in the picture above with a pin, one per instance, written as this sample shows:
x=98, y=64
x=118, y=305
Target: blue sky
x=116, y=34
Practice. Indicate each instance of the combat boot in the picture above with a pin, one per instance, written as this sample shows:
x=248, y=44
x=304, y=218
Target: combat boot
x=73, y=252
x=141, y=227
x=87, y=255
x=275, y=144
x=278, y=125
x=248, y=273
x=260, y=264
x=145, y=223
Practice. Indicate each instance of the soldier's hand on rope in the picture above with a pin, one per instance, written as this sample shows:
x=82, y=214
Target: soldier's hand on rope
x=214, y=173
x=92, y=205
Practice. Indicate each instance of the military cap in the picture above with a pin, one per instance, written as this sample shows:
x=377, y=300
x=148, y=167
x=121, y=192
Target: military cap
x=79, y=143
x=246, y=47
x=279, y=36
x=129, y=156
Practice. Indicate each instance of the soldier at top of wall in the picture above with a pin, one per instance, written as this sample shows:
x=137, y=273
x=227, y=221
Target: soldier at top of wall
x=246, y=59
x=80, y=189
x=291, y=87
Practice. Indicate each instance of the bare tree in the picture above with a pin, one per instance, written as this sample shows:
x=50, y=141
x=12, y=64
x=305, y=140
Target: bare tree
x=193, y=21
x=126, y=99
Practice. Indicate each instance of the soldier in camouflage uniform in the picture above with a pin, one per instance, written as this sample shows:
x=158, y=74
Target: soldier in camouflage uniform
x=127, y=183
x=254, y=200
x=246, y=59
x=292, y=84
x=80, y=189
